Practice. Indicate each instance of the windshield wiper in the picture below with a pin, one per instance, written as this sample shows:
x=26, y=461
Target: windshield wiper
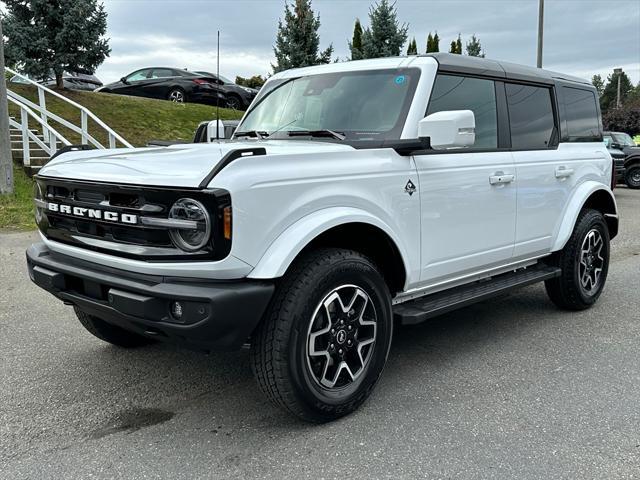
x=316, y=133
x=251, y=133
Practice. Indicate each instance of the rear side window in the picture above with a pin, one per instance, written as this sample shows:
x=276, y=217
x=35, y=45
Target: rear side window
x=583, y=124
x=530, y=116
x=451, y=92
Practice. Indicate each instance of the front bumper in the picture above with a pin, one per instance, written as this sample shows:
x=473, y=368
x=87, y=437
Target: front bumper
x=216, y=315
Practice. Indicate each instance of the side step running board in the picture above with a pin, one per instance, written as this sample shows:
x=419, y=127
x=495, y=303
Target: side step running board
x=424, y=308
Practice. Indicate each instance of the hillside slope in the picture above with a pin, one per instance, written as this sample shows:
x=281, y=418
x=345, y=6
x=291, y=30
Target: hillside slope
x=136, y=119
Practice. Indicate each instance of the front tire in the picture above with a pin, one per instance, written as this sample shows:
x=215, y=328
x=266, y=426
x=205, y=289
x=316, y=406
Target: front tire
x=234, y=102
x=110, y=333
x=584, y=262
x=325, y=339
x=632, y=176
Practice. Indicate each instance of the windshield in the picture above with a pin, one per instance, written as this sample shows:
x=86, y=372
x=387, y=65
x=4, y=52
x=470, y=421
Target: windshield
x=363, y=105
x=623, y=139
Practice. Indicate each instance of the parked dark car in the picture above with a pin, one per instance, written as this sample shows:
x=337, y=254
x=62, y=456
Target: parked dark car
x=168, y=84
x=623, y=142
x=71, y=81
x=238, y=97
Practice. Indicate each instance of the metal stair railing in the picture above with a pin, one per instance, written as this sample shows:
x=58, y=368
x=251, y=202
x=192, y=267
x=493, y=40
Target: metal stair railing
x=51, y=137
x=85, y=115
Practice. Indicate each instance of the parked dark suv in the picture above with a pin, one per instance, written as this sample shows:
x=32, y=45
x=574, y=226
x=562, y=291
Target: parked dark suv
x=624, y=142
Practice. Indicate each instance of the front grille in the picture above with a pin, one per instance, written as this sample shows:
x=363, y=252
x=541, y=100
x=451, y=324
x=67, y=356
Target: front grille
x=127, y=240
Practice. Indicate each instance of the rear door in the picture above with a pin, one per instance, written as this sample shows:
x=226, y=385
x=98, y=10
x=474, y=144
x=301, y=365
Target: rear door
x=467, y=195
x=547, y=170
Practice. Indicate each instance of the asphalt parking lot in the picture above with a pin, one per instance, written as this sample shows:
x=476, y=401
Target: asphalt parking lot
x=509, y=388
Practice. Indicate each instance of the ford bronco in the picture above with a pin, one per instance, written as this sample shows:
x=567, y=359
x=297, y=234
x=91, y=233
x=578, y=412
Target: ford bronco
x=352, y=198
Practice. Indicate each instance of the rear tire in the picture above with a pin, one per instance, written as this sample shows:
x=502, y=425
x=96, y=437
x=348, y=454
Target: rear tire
x=177, y=95
x=325, y=339
x=584, y=262
x=110, y=333
x=632, y=176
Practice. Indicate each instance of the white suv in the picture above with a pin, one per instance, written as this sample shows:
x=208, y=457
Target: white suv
x=352, y=197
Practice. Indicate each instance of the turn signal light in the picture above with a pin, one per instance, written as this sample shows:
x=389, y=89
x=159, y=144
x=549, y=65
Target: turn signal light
x=226, y=217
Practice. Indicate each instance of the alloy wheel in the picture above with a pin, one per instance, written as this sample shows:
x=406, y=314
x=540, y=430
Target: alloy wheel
x=591, y=261
x=341, y=337
x=176, y=96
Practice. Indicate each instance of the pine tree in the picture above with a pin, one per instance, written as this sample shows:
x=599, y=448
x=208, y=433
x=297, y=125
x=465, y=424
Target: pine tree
x=385, y=36
x=297, y=40
x=597, y=82
x=412, y=48
x=609, y=95
x=355, y=46
x=54, y=36
x=474, y=48
x=459, y=45
x=433, y=43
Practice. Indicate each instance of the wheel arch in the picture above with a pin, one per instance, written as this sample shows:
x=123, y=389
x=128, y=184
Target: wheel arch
x=589, y=195
x=343, y=228
x=633, y=159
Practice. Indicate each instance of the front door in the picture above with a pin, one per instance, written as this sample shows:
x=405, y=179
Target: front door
x=468, y=196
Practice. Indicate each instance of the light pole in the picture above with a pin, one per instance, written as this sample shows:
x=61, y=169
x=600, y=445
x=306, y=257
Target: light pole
x=618, y=72
x=540, y=31
x=6, y=162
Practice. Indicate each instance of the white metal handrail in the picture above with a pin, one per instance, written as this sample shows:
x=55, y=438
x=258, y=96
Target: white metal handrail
x=50, y=135
x=85, y=114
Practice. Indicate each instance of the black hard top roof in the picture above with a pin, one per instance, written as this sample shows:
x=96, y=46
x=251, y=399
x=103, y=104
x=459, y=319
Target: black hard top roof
x=454, y=63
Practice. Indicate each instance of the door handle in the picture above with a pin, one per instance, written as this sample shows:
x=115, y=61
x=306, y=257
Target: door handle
x=500, y=178
x=563, y=172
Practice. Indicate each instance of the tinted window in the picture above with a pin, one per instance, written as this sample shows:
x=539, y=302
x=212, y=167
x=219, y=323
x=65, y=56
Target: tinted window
x=463, y=93
x=582, y=114
x=530, y=116
x=162, y=73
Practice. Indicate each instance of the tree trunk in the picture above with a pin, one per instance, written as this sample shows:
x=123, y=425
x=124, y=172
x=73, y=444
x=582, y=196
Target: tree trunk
x=59, y=81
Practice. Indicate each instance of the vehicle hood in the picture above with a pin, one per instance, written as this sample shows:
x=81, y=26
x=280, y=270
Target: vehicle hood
x=183, y=165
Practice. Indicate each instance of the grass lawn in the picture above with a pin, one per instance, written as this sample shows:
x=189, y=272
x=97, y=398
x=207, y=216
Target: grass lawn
x=16, y=209
x=137, y=120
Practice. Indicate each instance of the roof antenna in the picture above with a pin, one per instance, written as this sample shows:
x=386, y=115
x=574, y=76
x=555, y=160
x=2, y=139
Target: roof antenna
x=218, y=95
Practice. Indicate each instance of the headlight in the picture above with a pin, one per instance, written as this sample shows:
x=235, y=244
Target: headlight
x=38, y=199
x=192, y=211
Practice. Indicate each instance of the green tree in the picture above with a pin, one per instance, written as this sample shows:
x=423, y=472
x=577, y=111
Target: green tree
x=474, y=48
x=597, y=82
x=433, y=43
x=456, y=46
x=625, y=119
x=257, y=81
x=412, y=49
x=609, y=94
x=53, y=36
x=355, y=46
x=385, y=36
x=297, y=40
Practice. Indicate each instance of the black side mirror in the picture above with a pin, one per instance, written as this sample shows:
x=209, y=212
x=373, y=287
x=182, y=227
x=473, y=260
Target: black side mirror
x=616, y=145
x=124, y=80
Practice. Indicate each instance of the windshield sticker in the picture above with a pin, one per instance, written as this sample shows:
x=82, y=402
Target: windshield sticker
x=400, y=79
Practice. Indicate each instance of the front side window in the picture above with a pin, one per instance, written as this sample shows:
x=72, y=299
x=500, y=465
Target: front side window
x=452, y=92
x=623, y=139
x=530, y=116
x=139, y=75
x=363, y=105
x=583, y=124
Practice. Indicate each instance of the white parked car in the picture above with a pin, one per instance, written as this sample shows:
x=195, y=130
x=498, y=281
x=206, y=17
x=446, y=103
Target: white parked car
x=352, y=197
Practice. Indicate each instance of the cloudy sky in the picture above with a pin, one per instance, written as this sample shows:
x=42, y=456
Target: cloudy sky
x=582, y=37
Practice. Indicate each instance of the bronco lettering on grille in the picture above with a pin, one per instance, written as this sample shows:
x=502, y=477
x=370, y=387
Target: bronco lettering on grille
x=93, y=213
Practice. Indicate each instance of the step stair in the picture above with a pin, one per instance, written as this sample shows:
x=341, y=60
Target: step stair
x=429, y=306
